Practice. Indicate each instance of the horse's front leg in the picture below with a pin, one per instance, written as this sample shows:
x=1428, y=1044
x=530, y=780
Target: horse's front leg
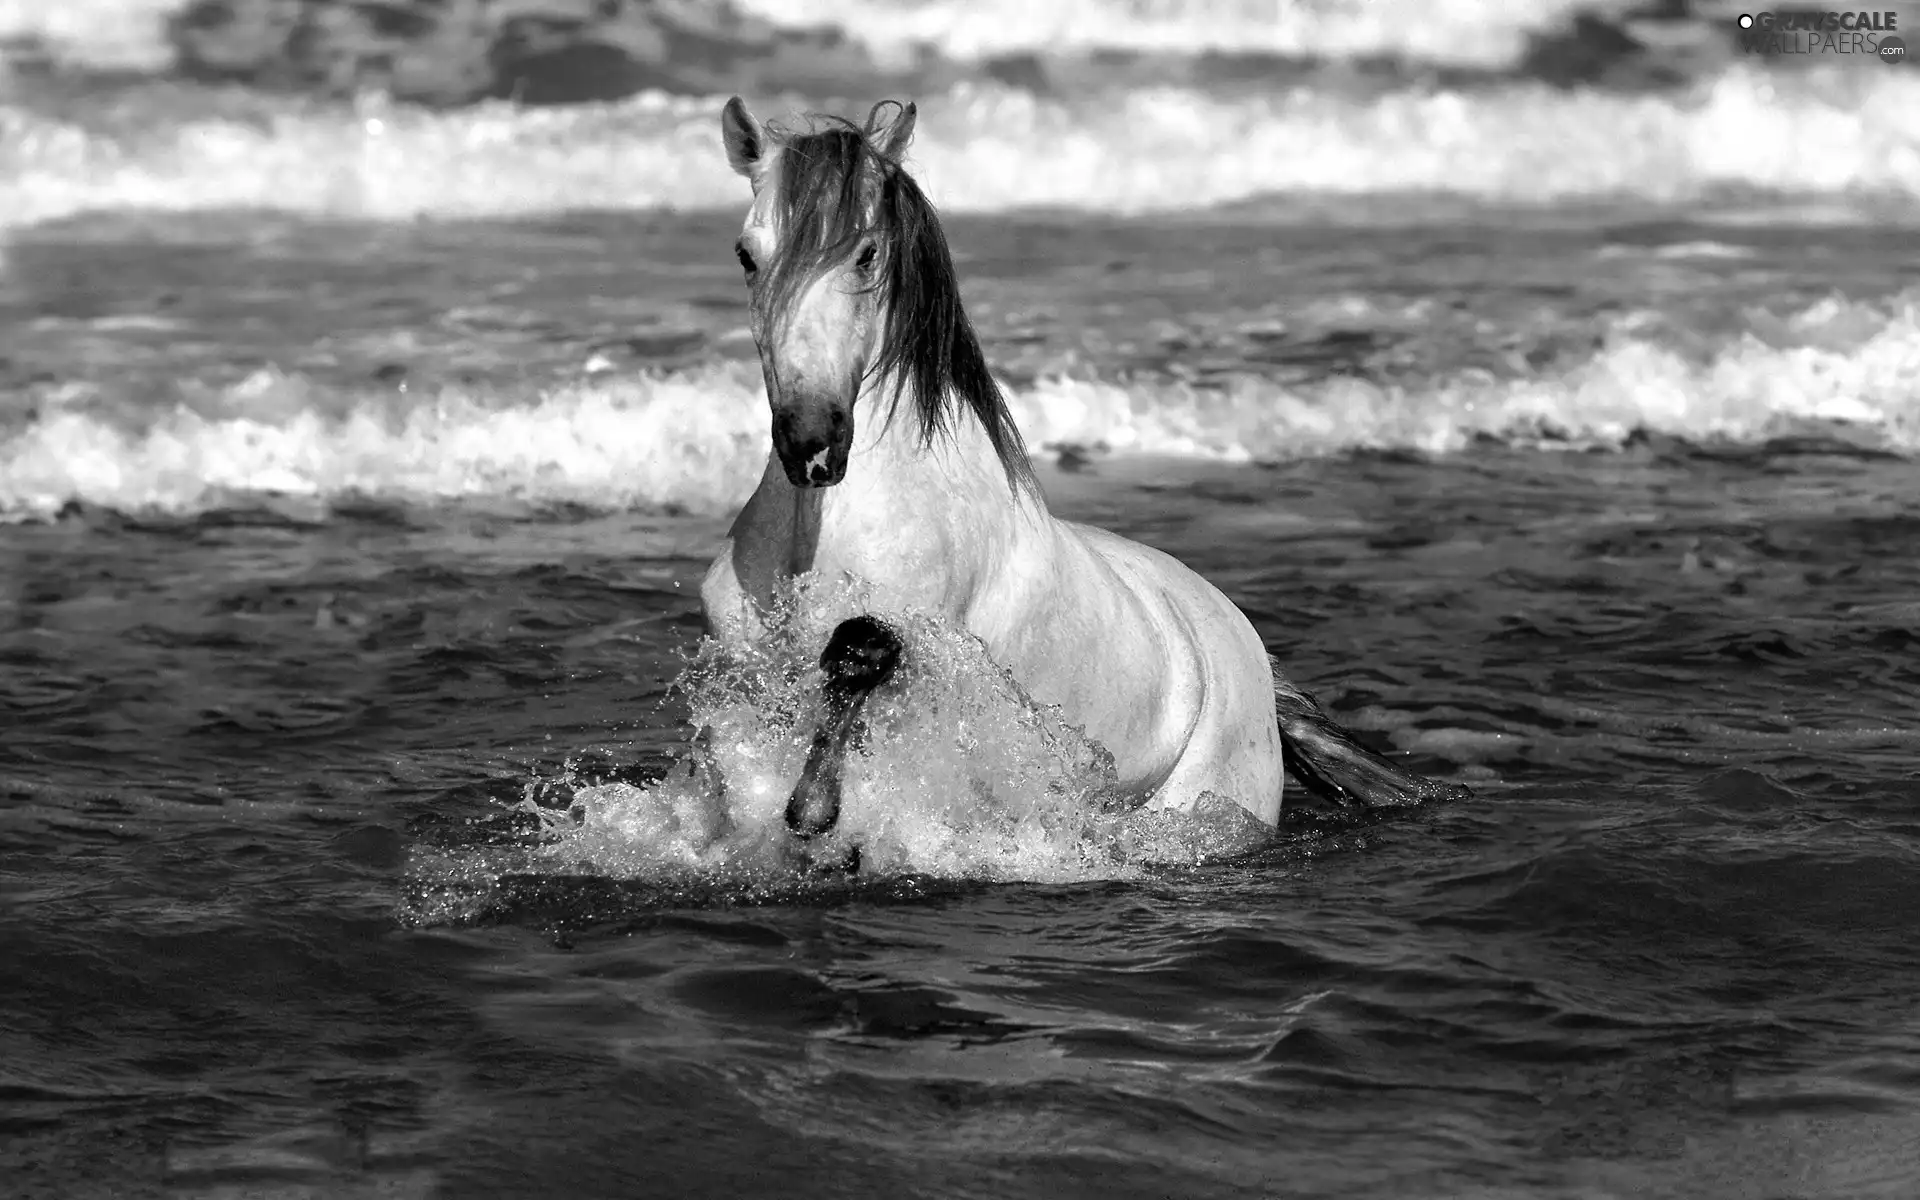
x=729, y=611
x=861, y=655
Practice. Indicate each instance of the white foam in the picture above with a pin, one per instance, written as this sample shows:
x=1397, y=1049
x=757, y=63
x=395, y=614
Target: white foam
x=1837, y=133
x=697, y=439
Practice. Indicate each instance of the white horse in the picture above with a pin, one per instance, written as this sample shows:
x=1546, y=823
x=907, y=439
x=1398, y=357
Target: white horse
x=896, y=462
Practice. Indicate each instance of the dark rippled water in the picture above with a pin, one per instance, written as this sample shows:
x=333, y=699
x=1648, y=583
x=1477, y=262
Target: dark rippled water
x=1665, y=950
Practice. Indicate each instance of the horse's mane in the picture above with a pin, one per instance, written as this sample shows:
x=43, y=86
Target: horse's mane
x=929, y=349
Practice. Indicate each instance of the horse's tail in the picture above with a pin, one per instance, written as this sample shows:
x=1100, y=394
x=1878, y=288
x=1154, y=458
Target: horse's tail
x=1334, y=767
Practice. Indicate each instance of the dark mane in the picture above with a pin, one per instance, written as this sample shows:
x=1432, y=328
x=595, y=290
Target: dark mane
x=929, y=349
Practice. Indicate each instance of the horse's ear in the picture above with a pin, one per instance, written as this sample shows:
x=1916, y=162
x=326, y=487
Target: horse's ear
x=746, y=140
x=891, y=131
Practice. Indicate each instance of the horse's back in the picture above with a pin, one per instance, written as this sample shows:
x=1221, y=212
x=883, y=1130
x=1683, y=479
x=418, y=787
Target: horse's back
x=1183, y=593
x=1232, y=744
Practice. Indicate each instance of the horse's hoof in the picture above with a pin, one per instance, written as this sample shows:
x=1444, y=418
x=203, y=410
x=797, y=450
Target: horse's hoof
x=862, y=654
x=849, y=863
x=818, y=862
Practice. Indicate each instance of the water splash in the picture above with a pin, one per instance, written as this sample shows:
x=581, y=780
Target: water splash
x=962, y=776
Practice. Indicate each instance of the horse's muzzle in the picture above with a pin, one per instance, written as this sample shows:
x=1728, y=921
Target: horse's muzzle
x=813, y=443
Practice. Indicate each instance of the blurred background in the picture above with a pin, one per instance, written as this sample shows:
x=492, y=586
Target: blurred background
x=358, y=110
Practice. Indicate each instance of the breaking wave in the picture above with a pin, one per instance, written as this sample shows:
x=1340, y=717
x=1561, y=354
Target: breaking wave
x=695, y=440
x=1840, y=129
x=988, y=147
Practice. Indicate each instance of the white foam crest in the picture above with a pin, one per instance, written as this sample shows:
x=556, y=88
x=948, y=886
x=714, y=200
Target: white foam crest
x=697, y=439
x=988, y=148
x=1837, y=362
x=1476, y=32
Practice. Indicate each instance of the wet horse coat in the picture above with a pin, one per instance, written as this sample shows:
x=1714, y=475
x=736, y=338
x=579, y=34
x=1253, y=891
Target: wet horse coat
x=897, y=462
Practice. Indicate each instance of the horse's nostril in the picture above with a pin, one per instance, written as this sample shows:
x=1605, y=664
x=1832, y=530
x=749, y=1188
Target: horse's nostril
x=838, y=419
x=818, y=472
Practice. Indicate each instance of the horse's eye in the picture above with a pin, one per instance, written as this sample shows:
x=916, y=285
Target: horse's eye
x=864, y=263
x=746, y=259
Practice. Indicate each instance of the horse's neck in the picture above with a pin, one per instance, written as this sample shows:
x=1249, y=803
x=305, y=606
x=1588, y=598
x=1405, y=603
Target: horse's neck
x=924, y=526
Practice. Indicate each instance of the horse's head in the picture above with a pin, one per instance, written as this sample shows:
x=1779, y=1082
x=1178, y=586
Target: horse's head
x=818, y=247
